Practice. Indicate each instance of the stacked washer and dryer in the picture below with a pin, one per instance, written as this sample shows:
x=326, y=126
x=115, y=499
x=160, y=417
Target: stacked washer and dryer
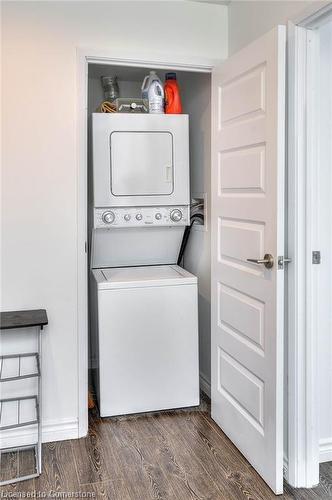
x=143, y=307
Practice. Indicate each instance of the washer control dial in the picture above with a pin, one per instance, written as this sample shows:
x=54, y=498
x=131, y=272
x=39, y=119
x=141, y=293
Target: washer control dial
x=127, y=217
x=158, y=216
x=176, y=215
x=139, y=216
x=108, y=217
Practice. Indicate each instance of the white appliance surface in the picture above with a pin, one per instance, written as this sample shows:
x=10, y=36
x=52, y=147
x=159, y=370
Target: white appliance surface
x=147, y=245
x=147, y=339
x=142, y=276
x=140, y=160
x=141, y=163
x=119, y=217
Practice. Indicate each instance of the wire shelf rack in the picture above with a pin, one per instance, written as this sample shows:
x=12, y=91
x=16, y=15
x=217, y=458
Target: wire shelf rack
x=19, y=366
x=18, y=412
x=25, y=410
x=17, y=449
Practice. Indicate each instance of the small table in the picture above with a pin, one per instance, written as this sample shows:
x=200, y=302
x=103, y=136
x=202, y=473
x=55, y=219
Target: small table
x=16, y=367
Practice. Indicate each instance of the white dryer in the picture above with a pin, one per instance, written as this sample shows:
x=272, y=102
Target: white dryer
x=141, y=197
x=139, y=160
x=145, y=339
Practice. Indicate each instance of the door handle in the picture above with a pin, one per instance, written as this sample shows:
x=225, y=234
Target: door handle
x=282, y=261
x=268, y=261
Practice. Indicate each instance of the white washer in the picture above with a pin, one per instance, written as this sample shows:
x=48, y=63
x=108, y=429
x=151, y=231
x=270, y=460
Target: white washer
x=145, y=339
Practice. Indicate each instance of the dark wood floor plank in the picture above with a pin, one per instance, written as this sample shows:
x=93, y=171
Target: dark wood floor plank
x=325, y=477
x=188, y=480
x=175, y=455
x=185, y=435
x=123, y=433
x=146, y=483
x=197, y=487
x=317, y=493
x=26, y=462
x=94, y=457
x=17, y=464
x=238, y=471
x=110, y=490
x=184, y=464
x=59, y=472
x=136, y=443
x=9, y=465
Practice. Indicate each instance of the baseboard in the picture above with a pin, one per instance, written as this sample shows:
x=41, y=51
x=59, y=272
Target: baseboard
x=325, y=450
x=285, y=467
x=205, y=384
x=51, y=431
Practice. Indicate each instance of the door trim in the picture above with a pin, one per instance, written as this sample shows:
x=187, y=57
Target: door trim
x=84, y=58
x=303, y=432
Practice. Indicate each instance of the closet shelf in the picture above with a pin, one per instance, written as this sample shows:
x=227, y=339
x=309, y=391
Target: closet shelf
x=19, y=412
x=19, y=366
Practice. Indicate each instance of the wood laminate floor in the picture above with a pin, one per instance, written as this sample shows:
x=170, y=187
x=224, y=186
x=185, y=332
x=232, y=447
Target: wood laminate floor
x=179, y=455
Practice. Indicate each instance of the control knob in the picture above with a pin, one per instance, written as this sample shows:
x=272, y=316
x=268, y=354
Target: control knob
x=127, y=217
x=108, y=217
x=176, y=215
x=139, y=216
x=158, y=216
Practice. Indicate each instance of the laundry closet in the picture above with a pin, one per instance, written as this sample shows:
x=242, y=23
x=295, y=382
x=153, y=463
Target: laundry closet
x=137, y=239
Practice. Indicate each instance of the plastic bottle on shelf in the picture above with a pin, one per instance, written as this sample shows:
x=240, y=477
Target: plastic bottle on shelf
x=153, y=93
x=173, y=103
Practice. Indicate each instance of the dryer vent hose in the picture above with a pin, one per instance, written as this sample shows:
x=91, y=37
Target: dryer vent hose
x=197, y=218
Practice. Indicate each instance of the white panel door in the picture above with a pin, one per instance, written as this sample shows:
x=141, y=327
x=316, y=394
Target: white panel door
x=248, y=98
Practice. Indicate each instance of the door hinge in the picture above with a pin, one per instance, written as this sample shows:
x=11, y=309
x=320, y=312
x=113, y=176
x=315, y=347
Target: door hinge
x=282, y=261
x=316, y=257
x=85, y=247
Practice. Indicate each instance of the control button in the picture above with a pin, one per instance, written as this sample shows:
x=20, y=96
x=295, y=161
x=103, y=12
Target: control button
x=108, y=217
x=158, y=216
x=176, y=215
x=127, y=217
x=139, y=216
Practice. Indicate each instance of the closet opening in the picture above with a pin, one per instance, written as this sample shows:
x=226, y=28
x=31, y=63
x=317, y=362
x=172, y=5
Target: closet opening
x=195, y=88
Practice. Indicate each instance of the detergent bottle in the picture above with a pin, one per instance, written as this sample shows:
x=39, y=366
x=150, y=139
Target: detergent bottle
x=153, y=93
x=172, y=95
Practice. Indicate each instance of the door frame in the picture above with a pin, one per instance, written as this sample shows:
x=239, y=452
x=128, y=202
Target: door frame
x=302, y=469
x=303, y=424
x=112, y=58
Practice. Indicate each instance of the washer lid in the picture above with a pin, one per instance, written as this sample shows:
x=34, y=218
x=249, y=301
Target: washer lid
x=125, y=277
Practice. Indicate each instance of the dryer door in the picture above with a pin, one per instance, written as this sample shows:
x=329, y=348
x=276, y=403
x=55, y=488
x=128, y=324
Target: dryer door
x=141, y=163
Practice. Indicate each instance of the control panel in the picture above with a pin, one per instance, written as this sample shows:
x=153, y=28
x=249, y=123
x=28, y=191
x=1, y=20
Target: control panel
x=141, y=216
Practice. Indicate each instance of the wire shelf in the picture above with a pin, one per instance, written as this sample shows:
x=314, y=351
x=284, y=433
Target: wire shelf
x=23, y=410
x=18, y=412
x=17, y=449
x=19, y=366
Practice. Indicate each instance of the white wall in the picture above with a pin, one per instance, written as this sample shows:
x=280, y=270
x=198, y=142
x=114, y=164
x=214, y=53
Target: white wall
x=197, y=258
x=251, y=19
x=40, y=157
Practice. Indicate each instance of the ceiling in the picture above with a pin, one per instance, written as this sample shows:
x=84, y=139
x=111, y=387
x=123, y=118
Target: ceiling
x=218, y=2
x=135, y=74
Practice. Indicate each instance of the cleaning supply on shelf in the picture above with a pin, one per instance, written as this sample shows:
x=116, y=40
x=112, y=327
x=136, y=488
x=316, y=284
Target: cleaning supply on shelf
x=173, y=103
x=153, y=93
x=130, y=105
